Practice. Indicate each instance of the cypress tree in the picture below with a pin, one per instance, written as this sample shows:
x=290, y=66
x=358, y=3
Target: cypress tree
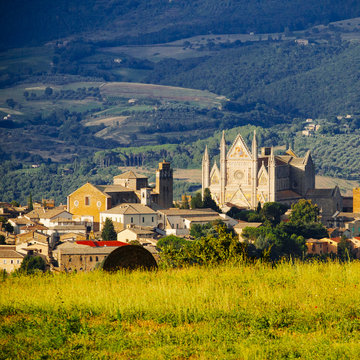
x=108, y=231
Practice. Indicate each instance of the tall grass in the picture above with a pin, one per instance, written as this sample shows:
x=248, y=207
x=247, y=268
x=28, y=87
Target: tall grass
x=227, y=312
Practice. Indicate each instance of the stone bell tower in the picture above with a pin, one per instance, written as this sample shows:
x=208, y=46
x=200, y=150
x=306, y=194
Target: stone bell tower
x=164, y=185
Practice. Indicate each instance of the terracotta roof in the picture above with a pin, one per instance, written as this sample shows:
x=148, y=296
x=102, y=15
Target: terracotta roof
x=244, y=224
x=204, y=218
x=94, y=243
x=130, y=175
x=69, y=227
x=8, y=251
x=112, y=188
x=35, y=227
x=130, y=208
x=87, y=250
x=22, y=221
x=188, y=212
x=49, y=214
x=139, y=231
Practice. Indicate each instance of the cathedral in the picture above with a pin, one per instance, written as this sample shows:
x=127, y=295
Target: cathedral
x=246, y=178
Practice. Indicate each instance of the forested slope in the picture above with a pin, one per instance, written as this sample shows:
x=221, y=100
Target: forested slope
x=141, y=21
x=313, y=80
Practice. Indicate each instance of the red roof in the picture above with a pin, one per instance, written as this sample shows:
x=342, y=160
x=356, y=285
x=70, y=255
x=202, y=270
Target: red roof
x=94, y=243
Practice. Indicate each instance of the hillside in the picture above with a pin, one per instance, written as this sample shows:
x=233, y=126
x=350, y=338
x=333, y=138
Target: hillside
x=140, y=21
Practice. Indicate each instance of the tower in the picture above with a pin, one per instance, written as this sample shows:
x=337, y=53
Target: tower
x=271, y=171
x=205, y=171
x=164, y=185
x=222, y=169
x=254, y=172
x=145, y=194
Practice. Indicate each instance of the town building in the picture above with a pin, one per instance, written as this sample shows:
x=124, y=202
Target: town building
x=83, y=255
x=246, y=178
x=322, y=246
x=129, y=214
x=178, y=222
x=141, y=234
x=87, y=202
x=10, y=259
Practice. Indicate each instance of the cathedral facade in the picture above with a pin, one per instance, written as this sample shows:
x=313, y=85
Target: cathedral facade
x=246, y=177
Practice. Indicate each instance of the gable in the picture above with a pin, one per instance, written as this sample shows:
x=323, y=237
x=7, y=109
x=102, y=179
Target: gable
x=215, y=175
x=239, y=150
x=89, y=189
x=263, y=176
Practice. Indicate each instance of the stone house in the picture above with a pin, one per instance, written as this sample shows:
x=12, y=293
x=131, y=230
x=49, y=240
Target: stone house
x=321, y=246
x=10, y=259
x=83, y=255
x=141, y=234
x=129, y=214
x=178, y=222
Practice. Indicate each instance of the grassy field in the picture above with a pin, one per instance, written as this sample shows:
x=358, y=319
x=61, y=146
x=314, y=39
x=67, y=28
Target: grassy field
x=307, y=311
x=167, y=93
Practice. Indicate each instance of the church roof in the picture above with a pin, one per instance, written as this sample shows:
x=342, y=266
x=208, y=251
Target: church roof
x=320, y=192
x=287, y=194
x=130, y=175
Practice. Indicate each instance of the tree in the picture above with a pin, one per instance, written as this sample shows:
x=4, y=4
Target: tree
x=6, y=225
x=208, y=201
x=31, y=264
x=185, y=202
x=48, y=91
x=30, y=203
x=272, y=212
x=15, y=203
x=304, y=212
x=11, y=103
x=171, y=241
x=196, y=201
x=108, y=231
x=198, y=230
x=344, y=250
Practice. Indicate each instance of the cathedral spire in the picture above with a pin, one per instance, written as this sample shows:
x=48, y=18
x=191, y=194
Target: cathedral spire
x=271, y=171
x=254, y=172
x=205, y=171
x=254, y=148
x=222, y=168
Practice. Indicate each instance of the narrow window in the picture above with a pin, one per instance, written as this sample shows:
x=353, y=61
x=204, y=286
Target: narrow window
x=90, y=258
x=11, y=261
x=132, y=220
x=152, y=219
x=96, y=258
x=87, y=200
x=143, y=219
